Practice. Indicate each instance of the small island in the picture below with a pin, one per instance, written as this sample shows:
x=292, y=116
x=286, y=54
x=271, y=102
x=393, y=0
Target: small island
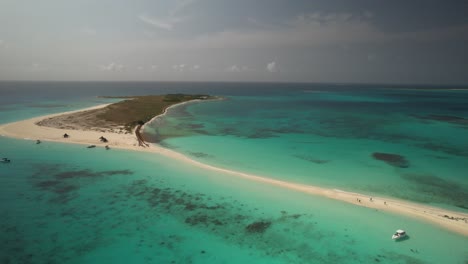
x=124, y=117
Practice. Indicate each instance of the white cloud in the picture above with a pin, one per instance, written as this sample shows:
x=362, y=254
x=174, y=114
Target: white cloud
x=185, y=67
x=233, y=68
x=272, y=67
x=168, y=22
x=179, y=67
x=140, y=68
x=166, y=25
x=115, y=67
x=319, y=18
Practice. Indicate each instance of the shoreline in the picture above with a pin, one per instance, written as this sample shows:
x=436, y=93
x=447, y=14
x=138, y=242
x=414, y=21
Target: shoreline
x=28, y=129
x=166, y=109
x=176, y=105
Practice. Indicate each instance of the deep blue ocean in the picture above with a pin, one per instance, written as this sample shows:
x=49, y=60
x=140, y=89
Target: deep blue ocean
x=63, y=203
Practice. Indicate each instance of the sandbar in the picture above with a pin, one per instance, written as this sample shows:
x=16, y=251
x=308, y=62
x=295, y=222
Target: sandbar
x=29, y=130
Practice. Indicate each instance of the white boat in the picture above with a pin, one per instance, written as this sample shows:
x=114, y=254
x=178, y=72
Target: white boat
x=399, y=234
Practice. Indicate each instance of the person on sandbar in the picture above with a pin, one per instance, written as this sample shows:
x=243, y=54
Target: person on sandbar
x=65, y=135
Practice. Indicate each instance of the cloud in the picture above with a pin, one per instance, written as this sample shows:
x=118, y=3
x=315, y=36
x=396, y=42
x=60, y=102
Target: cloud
x=2, y=42
x=154, y=67
x=179, y=67
x=114, y=67
x=319, y=18
x=165, y=24
x=306, y=30
x=235, y=68
x=186, y=68
x=272, y=67
x=168, y=22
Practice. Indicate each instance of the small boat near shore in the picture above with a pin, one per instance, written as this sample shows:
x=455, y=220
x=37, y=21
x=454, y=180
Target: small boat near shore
x=91, y=146
x=399, y=234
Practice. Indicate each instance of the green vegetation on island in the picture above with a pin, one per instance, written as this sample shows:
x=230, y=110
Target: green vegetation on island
x=138, y=110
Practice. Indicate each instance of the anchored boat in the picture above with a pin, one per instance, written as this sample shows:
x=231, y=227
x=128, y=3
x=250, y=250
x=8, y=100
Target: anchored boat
x=399, y=234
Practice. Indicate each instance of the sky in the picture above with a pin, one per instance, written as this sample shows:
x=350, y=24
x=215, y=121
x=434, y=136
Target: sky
x=334, y=41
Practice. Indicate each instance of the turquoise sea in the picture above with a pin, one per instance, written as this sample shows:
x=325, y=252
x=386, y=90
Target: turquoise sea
x=64, y=203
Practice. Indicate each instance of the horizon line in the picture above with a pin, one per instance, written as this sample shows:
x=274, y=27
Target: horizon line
x=234, y=82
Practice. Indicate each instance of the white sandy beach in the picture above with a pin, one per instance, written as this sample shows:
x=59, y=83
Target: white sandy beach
x=27, y=129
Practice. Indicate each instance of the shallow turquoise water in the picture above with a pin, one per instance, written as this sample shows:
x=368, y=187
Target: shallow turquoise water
x=68, y=204
x=328, y=139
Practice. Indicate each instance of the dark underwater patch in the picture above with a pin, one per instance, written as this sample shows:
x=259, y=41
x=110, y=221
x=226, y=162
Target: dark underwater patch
x=262, y=134
x=88, y=173
x=201, y=132
x=311, y=159
x=195, y=126
x=445, y=118
x=51, y=178
x=258, y=227
x=132, y=209
x=393, y=257
x=438, y=189
x=47, y=184
x=349, y=127
x=431, y=180
x=199, y=155
x=394, y=160
x=444, y=148
x=228, y=131
x=418, y=95
x=226, y=219
x=448, y=118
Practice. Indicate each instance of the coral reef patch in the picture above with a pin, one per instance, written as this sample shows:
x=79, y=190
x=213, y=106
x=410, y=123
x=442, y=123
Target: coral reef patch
x=258, y=227
x=394, y=160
